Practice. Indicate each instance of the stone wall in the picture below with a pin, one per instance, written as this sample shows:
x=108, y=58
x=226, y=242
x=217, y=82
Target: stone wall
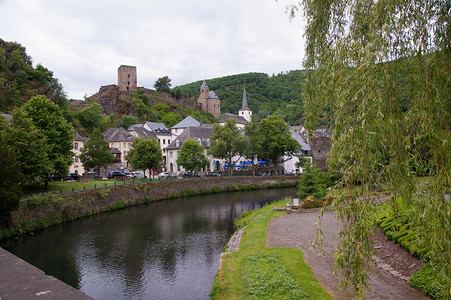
x=44, y=211
x=320, y=145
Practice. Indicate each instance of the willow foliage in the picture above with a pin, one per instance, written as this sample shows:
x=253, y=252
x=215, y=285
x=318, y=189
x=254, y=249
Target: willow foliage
x=361, y=53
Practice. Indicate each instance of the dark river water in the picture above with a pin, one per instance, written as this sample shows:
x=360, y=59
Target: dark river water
x=163, y=250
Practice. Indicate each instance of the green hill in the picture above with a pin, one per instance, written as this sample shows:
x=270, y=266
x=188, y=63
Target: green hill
x=279, y=94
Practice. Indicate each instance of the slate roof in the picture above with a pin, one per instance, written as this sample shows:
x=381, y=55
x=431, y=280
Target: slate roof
x=144, y=133
x=194, y=132
x=244, y=106
x=118, y=134
x=212, y=95
x=134, y=126
x=78, y=137
x=187, y=122
x=239, y=119
x=204, y=85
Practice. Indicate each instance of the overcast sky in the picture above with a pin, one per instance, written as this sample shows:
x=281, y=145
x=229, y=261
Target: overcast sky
x=84, y=42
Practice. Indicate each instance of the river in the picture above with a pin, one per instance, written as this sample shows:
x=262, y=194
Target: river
x=163, y=250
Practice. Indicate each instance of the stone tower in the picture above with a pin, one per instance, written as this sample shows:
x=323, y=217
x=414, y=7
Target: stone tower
x=127, y=79
x=245, y=112
x=209, y=101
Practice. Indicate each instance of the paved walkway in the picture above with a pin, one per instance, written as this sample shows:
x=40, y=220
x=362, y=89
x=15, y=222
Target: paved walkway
x=20, y=280
x=298, y=231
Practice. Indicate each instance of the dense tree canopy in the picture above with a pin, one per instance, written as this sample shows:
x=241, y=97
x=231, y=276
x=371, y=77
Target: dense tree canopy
x=48, y=118
x=145, y=154
x=30, y=147
x=10, y=180
x=273, y=140
x=192, y=156
x=96, y=152
x=228, y=142
x=163, y=84
x=358, y=51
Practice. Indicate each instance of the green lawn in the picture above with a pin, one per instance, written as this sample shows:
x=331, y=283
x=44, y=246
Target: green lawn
x=258, y=272
x=69, y=186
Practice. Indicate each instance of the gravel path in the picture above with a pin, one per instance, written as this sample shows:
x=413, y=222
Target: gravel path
x=298, y=231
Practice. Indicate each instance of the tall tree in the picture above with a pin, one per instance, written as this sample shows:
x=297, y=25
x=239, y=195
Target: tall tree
x=49, y=120
x=145, y=154
x=228, y=142
x=10, y=180
x=356, y=52
x=163, y=84
x=91, y=117
x=30, y=146
x=192, y=156
x=274, y=141
x=96, y=152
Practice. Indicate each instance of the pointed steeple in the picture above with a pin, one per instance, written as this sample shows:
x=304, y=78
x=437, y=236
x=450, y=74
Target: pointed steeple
x=244, y=100
x=204, y=85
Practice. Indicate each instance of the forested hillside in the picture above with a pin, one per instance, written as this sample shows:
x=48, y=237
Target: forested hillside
x=278, y=94
x=19, y=80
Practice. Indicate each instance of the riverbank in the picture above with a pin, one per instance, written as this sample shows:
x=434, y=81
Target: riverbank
x=258, y=272
x=41, y=211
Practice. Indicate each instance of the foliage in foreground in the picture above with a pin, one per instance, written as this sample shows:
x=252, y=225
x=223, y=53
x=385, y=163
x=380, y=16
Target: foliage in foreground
x=361, y=54
x=256, y=272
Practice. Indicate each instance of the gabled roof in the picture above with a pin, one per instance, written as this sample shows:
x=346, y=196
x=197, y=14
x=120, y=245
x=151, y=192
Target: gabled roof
x=187, y=122
x=115, y=151
x=239, y=119
x=212, y=95
x=300, y=139
x=194, y=132
x=118, y=134
x=144, y=133
x=204, y=85
x=154, y=126
x=80, y=138
x=134, y=126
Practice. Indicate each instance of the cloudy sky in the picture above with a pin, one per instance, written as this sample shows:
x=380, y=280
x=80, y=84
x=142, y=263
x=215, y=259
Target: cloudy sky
x=84, y=42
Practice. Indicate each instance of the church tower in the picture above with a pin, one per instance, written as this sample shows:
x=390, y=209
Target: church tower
x=245, y=112
x=209, y=101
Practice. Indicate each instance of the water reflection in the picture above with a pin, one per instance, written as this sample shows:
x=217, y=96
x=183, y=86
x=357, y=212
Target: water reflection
x=164, y=250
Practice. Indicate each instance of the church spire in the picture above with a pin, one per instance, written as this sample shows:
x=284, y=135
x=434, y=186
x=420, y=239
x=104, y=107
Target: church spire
x=244, y=100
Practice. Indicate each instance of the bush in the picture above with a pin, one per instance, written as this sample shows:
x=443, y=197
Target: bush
x=430, y=280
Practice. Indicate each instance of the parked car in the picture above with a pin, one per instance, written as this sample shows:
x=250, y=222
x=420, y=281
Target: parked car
x=136, y=175
x=71, y=176
x=126, y=172
x=114, y=174
x=165, y=175
x=190, y=175
x=213, y=174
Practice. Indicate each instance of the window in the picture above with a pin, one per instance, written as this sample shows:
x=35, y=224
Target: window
x=75, y=145
x=207, y=142
x=199, y=141
x=164, y=142
x=170, y=154
x=128, y=75
x=125, y=145
x=76, y=159
x=125, y=153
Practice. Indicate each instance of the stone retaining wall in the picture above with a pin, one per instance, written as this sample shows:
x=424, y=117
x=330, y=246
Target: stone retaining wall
x=47, y=210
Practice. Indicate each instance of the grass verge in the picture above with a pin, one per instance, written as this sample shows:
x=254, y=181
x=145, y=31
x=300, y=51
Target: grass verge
x=258, y=272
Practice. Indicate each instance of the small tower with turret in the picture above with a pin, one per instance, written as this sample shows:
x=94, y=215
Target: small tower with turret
x=209, y=101
x=127, y=79
x=245, y=112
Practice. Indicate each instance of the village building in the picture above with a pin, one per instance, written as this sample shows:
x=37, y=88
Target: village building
x=209, y=101
x=178, y=128
x=79, y=143
x=120, y=141
x=290, y=163
x=200, y=134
